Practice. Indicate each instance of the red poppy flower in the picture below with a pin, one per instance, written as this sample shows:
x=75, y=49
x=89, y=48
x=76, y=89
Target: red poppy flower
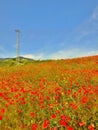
x=19, y=111
x=34, y=126
x=2, y=110
x=81, y=123
x=53, y=116
x=70, y=128
x=84, y=100
x=91, y=127
x=1, y=94
x=32, y=114
x=63, y=123
x=1, y=117
x=45, y=124
x=54, y=128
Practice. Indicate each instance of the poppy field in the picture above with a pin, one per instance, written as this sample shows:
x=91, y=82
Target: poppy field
x=50, y=95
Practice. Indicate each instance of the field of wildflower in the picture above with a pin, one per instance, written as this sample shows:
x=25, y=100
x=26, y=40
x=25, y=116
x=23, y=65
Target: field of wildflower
x=50, y=95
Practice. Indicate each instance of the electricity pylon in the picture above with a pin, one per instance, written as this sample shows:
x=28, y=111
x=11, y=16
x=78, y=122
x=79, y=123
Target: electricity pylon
x=18, y=45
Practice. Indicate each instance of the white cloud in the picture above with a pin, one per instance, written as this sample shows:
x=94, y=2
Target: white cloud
x=2, y=49
x=95, y=13
x=32, y=56
x=88, y=28
x=3, y=52
x=63, y=54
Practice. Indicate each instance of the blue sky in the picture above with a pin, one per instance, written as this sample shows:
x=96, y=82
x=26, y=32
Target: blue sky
x=50, y=29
